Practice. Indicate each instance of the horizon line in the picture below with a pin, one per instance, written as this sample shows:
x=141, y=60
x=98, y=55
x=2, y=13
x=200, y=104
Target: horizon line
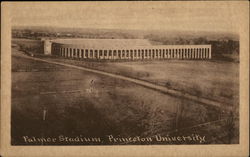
x=136, y=29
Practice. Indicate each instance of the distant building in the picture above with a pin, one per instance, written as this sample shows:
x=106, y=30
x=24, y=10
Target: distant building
x=120, y=49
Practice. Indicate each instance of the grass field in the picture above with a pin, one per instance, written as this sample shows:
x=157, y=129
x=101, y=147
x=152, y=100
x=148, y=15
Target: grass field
x=214, y=80
x=217, y=81
x=35, y=46
x=92, y=105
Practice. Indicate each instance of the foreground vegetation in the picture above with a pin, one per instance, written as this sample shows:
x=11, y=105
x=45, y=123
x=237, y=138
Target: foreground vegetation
x=217, y=81
x=83, y=103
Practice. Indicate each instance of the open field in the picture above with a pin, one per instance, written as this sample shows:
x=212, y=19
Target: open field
x=35, y=46
x=217, y=81
x=214, y=80
x=92, y=105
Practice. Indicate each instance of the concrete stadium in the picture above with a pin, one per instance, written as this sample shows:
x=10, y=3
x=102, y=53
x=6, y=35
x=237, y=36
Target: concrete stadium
x=123, y=49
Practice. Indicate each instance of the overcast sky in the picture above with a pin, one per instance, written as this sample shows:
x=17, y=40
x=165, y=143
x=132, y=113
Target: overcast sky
x=190, y=16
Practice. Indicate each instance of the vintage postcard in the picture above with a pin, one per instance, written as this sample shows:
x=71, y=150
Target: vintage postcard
x=125, y=78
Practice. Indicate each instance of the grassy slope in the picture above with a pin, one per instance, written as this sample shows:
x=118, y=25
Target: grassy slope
x=132, y=109
x=212, y=80
x=115, y=107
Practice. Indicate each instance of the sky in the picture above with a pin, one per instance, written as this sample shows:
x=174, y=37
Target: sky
x=188, y=16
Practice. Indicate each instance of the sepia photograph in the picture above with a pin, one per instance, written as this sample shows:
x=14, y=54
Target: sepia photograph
x=124, y=73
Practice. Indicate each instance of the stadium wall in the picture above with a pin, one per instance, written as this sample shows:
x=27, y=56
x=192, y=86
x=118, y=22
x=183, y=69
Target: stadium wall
x=133, y=53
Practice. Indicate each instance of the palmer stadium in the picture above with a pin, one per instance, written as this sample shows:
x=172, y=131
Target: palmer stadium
x=123, y=49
